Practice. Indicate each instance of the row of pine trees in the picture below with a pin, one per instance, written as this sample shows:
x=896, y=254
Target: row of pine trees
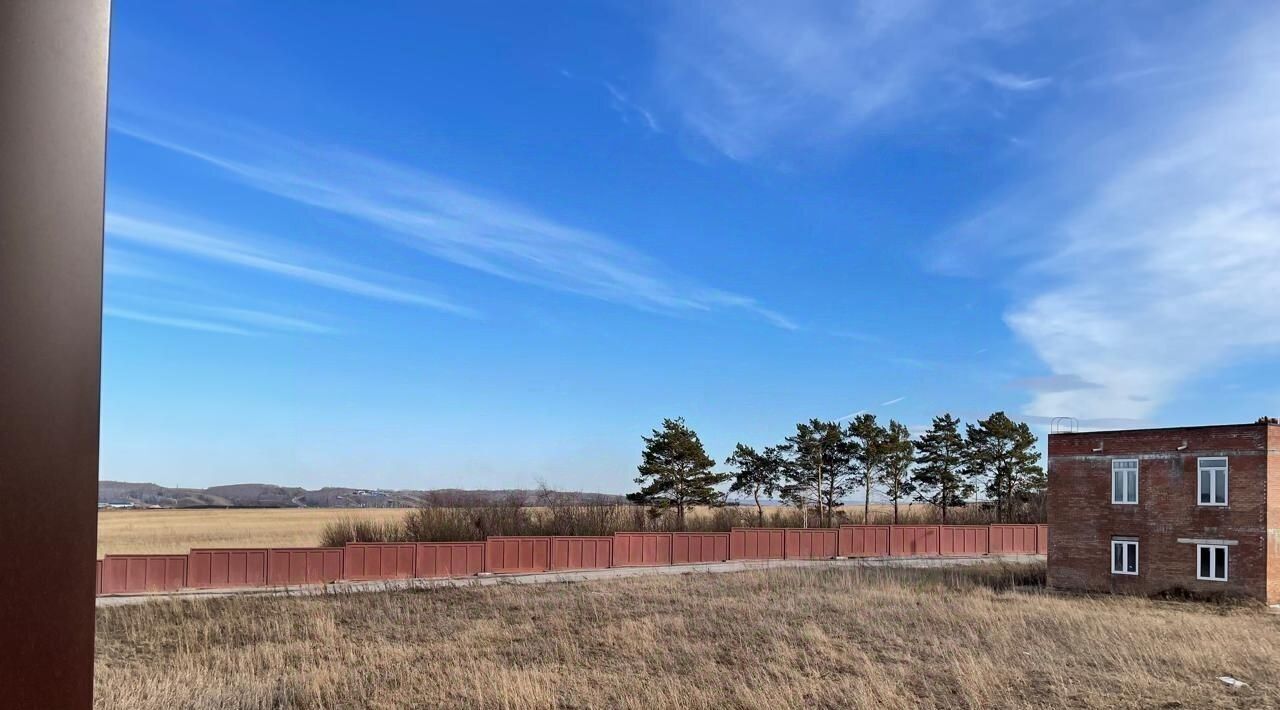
x=818, y=466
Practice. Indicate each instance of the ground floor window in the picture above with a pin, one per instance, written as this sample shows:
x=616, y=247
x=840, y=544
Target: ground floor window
x=1124, y=557
x=1212, y=563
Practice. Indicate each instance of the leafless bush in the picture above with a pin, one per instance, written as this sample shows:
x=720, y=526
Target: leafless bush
x=344, y=530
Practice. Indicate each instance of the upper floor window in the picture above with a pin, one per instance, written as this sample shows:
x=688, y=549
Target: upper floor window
x=1212, y=562
x=1124, y=481
x=1213, y=481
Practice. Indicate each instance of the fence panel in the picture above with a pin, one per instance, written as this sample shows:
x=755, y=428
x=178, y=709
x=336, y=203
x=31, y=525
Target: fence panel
x=134, y=574
x=1042, y=539
x=864, y=541
x=964, y=540
x=292, y=566
x=913, y=540
x=581, y=552
x=1013, y=540
x=811, y=544
x=757, y=543
x=694, y=548
x=517, y=554
x=641, y=549
x=450, y=559
x=221, y=568
x=97, y=582
x=368, y=561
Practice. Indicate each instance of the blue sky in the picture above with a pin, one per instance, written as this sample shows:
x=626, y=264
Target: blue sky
x=427, y=246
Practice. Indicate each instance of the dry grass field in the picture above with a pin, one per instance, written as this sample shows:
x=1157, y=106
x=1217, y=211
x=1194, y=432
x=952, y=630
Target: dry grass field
x=175, y=531
x=786, y=638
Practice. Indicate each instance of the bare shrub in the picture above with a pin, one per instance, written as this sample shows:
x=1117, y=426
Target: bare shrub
x=347, y=529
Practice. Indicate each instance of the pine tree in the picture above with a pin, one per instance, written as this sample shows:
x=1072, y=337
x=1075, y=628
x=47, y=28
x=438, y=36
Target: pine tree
x=816, y=470
x=676, y=472
x=895, y=475
x=1003, y=453
x=757, y=474
x=867, y=440
x=940, y=477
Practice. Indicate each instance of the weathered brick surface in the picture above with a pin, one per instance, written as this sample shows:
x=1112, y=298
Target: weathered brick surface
x=1273, y=515
x=1083, y=520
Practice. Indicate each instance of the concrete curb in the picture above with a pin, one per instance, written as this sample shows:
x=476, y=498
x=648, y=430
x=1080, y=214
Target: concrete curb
x=560, y=577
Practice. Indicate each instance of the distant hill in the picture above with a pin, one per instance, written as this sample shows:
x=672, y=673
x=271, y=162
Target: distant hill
x=265, y=495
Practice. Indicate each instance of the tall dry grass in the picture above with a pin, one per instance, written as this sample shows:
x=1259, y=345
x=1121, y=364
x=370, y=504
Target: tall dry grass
x=175, y=531
x=455, y=524
x=785, y=638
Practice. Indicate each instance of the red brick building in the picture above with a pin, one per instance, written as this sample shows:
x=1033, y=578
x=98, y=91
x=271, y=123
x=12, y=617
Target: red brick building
x=1145, y=511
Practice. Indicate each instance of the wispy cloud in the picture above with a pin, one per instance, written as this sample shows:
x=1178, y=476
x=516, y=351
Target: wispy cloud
x=214, y=319
x=895, y=400
x=144, y=226
x=1013, y=82
x=1069, y=382
x=1085, y=424
x=207, y=326
x=445, y=220
x=621, y=102
x=269, y=321
x=625, y=107
x=755, y=77
x=1155, y=262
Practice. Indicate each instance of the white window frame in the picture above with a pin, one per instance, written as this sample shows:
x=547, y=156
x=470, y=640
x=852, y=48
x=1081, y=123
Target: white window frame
x=1124, y=472
x=1125, y=556
x=1201, y=469
x=1213, y=563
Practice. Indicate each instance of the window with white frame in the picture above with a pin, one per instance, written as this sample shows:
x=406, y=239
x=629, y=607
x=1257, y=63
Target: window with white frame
x=1124, y=481
x=1124, y=557
x=1213, y=481
x=1211, y=562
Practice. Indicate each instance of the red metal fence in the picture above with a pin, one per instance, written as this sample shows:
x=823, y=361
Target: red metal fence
x=693, y=548
x=812, y=544
x=135, y=574
x=292, y=566
x=963, y=540
x=367, y=561
x=757, y=543
x=219, y=568
x=864, y=541
x=581, y=552
x=913, y=540
x=449, y=559
x=1014, y=540
x=517, y=554
x=641, y=549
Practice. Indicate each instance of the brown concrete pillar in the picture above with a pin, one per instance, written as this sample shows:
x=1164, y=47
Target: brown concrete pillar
x=53, y=111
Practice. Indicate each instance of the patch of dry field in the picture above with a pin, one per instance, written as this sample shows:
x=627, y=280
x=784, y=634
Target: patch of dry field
x=786, y=638
x=176, y=531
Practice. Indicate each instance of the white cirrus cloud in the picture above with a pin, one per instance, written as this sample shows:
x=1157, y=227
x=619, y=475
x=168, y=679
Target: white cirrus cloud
x=1148, y=253
x=144, y=226
x=171, y=321
x=446, y=220
x=757, y=77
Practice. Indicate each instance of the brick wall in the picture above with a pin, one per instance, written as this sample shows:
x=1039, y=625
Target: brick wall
x=1273, y=516
x=1083, y=520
